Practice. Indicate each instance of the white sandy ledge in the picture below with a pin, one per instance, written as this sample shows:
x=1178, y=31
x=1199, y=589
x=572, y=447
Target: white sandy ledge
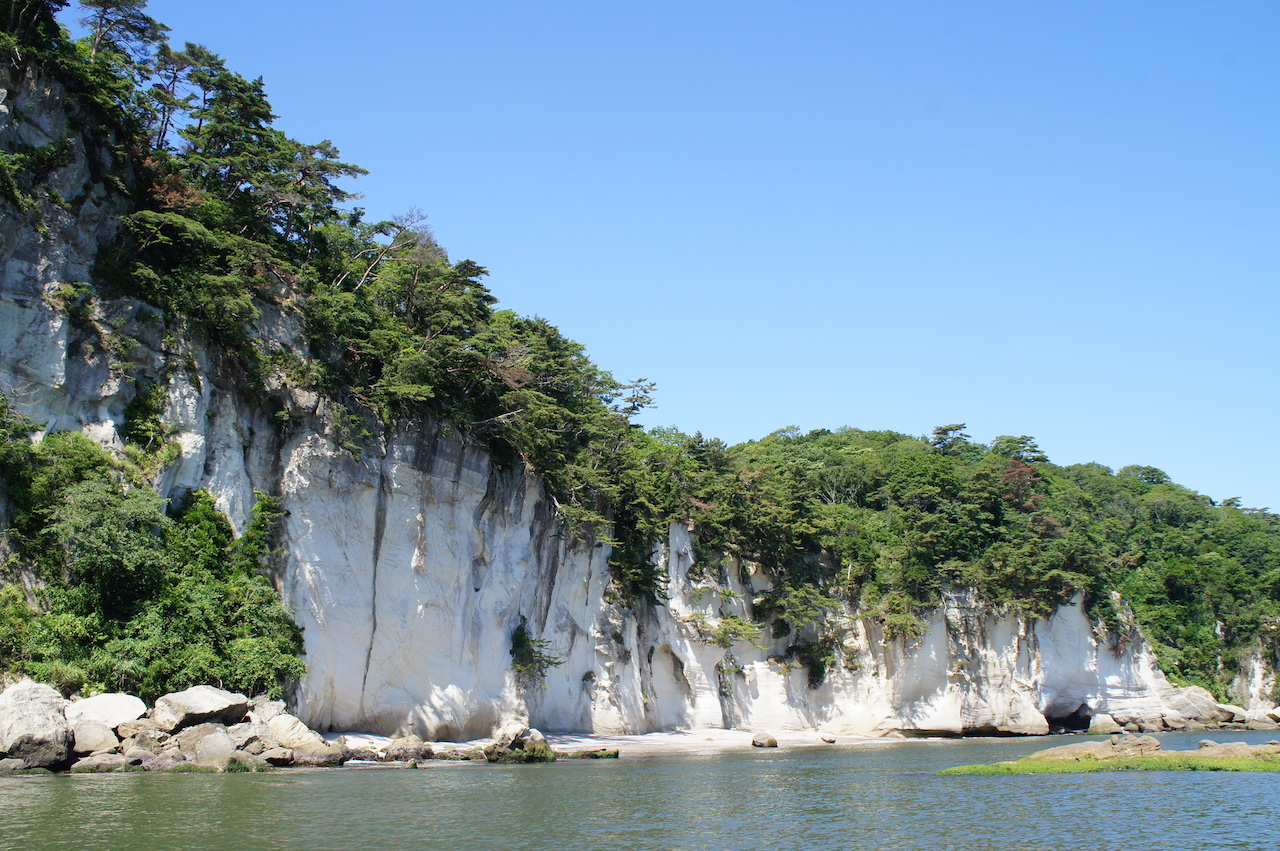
x=669, y=742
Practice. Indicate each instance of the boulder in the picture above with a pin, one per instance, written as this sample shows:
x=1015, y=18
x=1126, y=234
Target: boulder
x=188, y=741
x=151, y=740
x=763, y=740
x=1103, y=724
x=1238, y=714
x=248, y=761
x=523, y=745
x=408, y=748
x=197, y=705
x=8, y=766
x=321, y=754
x=33, y=727
x=289, y=732
x=138, y=755
x=215, y=749
x=263, y=709
x=1274, y=714
x=133, y=728
x=1116, y=746
x=250, y=737
x=277, y=756
x=1197, y=703
x=110, y=710
x=166, y=761
x=92, y=737
x=828, y=738
x=101, y=762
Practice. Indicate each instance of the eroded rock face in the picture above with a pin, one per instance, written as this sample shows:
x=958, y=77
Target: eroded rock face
x=33, y=727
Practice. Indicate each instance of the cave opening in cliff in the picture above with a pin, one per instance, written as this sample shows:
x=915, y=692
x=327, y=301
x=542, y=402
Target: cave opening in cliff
x=1076, y=722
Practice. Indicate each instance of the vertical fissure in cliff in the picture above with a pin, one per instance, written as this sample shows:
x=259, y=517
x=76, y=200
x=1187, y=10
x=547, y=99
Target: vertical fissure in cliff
x=379, y=529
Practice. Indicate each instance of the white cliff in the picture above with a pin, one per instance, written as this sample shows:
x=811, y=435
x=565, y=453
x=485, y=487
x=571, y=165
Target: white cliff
x=410, y=565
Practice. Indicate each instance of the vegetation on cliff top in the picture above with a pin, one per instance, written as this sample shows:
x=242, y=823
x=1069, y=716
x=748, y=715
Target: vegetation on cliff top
x=232, y=215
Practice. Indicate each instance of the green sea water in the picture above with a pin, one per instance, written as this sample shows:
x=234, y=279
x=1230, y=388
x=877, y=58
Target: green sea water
x=881, y=796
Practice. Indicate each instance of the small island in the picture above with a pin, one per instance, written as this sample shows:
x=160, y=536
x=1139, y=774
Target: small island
x=1135, y=753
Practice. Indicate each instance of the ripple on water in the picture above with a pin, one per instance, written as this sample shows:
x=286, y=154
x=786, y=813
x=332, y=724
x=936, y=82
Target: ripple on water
x=873, y=797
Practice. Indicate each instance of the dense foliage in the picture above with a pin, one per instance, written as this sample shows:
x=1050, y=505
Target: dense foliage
x=901, y=519
x=130, y=596
x=232, y=216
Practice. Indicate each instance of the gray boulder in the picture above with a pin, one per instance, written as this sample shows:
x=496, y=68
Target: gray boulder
x=263, y=709
x=763, y=740
x=101, y=762
x=408, y=748
x=109, y=710
x=166, y=761
x=323, y=754
x=250, y=737
x=138, y=755
x=188, y=741
x=8, y=766
x=198, y=705
x=33, y=727
x=216, y=749
x=1103, y=724
x=92, y=737
x=151, y=740
x=132, y=728
x=277, y=756
x=289, y=732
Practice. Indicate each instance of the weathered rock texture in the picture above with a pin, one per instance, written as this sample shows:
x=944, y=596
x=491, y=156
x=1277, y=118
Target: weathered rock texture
x=33, y=727
x=410, y=565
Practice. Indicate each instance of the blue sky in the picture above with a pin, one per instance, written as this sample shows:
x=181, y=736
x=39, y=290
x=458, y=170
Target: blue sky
x=1058, y=220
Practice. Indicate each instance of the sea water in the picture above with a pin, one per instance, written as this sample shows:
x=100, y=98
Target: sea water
x=870, y=796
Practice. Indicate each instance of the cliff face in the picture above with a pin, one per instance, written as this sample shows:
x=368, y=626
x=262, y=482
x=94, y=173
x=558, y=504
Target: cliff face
x=410, y=565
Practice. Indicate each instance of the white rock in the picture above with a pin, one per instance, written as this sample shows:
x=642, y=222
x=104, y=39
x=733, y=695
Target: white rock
x=110, y=710
x=289, y=732
x=215, y=749
x=92, y=737
x=33, y=727
x=197, y=705
x=1103, y=724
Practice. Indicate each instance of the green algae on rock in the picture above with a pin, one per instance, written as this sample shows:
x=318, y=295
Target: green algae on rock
x=1134, y=753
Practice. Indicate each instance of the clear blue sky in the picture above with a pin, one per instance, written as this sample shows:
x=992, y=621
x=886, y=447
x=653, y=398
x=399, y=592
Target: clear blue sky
x=1057, y=219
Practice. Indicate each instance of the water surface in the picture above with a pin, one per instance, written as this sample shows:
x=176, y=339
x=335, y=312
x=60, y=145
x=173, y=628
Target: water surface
x=880, y=796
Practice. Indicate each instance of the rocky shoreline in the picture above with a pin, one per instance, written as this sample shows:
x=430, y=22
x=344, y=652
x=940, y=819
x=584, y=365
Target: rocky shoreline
x=205, y=728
